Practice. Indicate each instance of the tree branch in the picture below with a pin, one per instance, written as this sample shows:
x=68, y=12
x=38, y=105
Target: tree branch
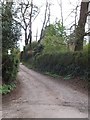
x=19, y=23
x=87, y=34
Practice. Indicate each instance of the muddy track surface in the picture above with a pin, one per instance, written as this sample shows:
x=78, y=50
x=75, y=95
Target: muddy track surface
x=40, y=96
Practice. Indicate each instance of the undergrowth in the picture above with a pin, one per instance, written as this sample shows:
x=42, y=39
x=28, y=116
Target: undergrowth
x=7, y=88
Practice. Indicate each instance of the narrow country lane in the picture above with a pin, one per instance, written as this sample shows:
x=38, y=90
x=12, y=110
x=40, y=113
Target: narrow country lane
x=40, y=96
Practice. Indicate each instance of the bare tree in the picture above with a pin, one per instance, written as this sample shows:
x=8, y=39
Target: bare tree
x=61, y=9
x=27, y=14
x=46, y=19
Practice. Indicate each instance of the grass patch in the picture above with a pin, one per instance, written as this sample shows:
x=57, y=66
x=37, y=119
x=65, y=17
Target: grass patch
x=68, y=77
x=52, y=75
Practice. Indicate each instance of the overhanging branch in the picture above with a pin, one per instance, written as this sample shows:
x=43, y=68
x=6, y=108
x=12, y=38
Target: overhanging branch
x=87, y=34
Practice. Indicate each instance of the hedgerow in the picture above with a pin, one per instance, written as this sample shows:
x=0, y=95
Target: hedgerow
x=70, y=63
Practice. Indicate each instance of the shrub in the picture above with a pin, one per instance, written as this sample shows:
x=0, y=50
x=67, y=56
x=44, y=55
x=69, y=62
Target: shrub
x=10, y=64
x=31, y=51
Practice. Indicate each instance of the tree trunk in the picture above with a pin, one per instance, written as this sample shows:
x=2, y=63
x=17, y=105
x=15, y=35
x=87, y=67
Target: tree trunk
x=80, y=30
x=44, y=22
x=30, y=37
x=26, y=40
x=30, y=23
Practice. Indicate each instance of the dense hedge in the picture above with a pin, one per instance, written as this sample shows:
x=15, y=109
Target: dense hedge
x=75, y=64
x=10, y=64
x=61, y=63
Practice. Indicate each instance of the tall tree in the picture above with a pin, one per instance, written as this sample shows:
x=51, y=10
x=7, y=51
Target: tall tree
x=80, y=30
x=30, y=23
x=10, y=29
x=10, y=37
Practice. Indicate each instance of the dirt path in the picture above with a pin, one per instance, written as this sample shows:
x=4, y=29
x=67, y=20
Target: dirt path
x=40, y=96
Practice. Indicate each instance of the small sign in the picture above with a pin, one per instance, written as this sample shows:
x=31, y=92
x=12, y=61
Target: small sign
x=9, y=52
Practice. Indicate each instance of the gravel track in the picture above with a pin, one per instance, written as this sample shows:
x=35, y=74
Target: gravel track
x=41, y=96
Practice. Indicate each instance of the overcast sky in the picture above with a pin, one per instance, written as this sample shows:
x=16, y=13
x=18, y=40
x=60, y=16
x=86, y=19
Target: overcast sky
x=67, y=5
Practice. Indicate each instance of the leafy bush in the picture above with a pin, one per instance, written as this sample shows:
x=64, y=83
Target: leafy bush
x=10, y=64
x=54, y=44
x=7, y=88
